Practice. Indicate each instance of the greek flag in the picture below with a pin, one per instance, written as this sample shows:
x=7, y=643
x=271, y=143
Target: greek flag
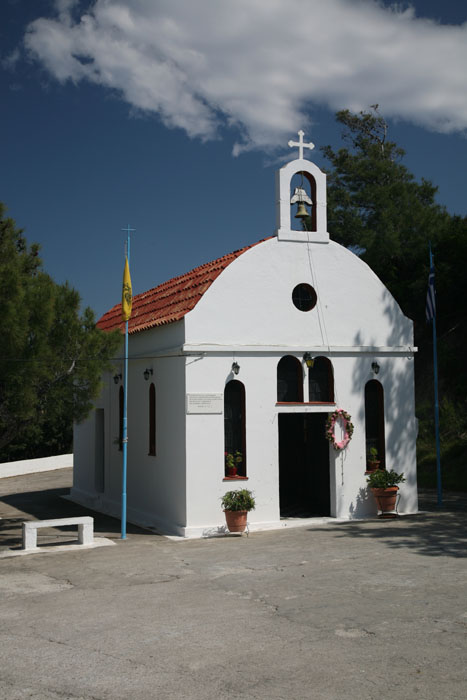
x=430, y=308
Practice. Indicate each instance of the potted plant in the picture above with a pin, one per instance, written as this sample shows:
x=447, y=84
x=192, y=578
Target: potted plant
x=231, y=461
x=236, y=506
x=372, y=461
x=383, y=485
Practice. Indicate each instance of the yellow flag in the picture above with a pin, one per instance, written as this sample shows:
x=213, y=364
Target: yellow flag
x=126, y=292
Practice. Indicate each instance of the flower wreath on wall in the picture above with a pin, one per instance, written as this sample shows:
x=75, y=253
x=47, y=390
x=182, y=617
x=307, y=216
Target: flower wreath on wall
x=345, y=418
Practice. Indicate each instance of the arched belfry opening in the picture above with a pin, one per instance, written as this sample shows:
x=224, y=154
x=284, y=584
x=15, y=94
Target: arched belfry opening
x=301, y=188
x=303, y=202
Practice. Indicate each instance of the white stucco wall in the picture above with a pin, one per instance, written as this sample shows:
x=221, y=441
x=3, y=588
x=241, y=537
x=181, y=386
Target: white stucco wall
x=152, y=481
x=349, y=494
x=247, y=315
x=250, y=303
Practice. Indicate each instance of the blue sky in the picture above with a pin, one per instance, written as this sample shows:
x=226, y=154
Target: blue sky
x=173, y=116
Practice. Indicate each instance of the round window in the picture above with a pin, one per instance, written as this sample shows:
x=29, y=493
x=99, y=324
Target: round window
x=304, y=297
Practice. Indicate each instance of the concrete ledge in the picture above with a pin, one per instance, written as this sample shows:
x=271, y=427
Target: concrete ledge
x=31, y=466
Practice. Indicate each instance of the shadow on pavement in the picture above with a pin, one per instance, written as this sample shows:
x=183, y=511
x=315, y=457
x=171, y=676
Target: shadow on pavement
x=48, y=504
x=433, y=532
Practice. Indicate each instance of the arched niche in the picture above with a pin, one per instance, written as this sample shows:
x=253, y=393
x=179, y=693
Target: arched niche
x=284, y=211
x=152, y=420
x=289, y=380
x=305, y=181
x=321, y=381
x=374, y=420
x=235, y=422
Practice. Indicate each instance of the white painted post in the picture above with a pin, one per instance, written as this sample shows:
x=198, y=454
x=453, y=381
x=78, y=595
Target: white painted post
x=85, y=532
x=29, y=536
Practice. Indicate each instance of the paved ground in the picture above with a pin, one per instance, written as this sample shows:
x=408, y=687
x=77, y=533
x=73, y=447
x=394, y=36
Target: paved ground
x=364, y=610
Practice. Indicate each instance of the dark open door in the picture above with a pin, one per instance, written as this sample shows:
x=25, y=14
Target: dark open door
x=304, y=487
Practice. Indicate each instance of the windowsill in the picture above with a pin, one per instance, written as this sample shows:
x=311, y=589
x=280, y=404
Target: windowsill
x=305, y=403
x=235, y=478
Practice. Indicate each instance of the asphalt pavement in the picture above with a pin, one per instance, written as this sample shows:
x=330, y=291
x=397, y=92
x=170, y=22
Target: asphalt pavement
x=365, y=610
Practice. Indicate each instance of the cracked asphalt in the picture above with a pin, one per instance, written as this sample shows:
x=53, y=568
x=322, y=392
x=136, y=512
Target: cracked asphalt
x=367, y=610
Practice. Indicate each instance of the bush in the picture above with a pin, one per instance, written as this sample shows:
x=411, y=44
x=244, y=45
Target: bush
x=238, y=500
x=382, y=479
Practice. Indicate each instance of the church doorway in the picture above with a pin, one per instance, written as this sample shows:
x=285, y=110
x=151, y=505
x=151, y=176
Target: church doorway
x=304, y=482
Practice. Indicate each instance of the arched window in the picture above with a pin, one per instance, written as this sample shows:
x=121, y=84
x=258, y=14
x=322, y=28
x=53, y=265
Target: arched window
x=152, y=419
x=303, y=183
x=289, y=380
x=120, y=418
x=374, y=420
x=321, y=381
x=234, y=423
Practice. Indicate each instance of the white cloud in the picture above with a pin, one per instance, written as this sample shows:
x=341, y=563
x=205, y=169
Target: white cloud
x=259, y=64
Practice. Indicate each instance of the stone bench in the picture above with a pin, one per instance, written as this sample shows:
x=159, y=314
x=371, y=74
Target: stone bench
x=85, y=529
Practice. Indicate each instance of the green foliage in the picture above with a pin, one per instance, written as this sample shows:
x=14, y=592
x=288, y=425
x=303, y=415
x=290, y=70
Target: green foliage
x=238, y=500
x=376, y=208
x=52, y=357
x=382, y=479
x=375, y=204
x=453, y=441
x=231, y=460
x=372, y=454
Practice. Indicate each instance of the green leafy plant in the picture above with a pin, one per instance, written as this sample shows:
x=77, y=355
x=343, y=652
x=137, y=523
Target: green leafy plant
x=231, y=460
x=238, y=500
x=372, y=454
x=382, y=479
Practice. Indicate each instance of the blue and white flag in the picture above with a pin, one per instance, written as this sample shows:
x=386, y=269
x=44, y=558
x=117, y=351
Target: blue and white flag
x=430, y=309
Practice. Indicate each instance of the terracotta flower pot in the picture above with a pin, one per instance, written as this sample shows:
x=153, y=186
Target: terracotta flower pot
x=236, y=520
x=386, y=499
x=231, y=471
x=373, y=465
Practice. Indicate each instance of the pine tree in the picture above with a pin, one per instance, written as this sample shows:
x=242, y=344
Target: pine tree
x=376, y=206
x=52, y=357
x=378, y=209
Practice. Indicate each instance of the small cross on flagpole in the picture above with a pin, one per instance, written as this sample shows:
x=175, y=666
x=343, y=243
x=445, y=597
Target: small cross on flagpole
x=301, y=145
x=128, y=230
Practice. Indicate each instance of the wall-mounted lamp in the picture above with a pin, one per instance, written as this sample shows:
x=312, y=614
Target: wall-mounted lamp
x=308, y=359
x=147, y=373
x=375, y=367
x=235, y=367
x=117, y=378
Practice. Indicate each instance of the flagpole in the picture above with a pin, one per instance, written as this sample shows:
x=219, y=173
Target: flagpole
x=125, y=408
x=435, y=368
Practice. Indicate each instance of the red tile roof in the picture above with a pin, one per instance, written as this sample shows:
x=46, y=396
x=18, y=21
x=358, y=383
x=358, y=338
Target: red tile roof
x=171, y=300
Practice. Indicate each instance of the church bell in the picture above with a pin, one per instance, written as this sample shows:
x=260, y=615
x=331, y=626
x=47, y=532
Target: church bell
x=300, y=198
x=301, y=211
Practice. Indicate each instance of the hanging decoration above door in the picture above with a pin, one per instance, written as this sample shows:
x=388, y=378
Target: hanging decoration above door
x=341, y=416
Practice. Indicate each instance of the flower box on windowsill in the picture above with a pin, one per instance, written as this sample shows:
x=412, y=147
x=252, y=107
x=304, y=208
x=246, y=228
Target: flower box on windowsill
x=235, y=478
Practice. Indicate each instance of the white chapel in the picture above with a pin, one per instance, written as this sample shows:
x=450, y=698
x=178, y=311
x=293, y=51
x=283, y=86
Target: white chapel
x=249, y=354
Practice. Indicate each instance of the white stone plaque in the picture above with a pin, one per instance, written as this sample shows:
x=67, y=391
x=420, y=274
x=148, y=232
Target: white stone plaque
x=205, y=403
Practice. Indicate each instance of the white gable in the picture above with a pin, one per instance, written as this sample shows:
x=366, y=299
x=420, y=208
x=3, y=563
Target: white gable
x=250, y=303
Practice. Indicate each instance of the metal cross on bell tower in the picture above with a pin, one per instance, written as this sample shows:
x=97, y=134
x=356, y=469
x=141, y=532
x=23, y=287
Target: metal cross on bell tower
x=301, y=145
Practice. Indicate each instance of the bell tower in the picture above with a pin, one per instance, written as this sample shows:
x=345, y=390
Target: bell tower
x=314, y=226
